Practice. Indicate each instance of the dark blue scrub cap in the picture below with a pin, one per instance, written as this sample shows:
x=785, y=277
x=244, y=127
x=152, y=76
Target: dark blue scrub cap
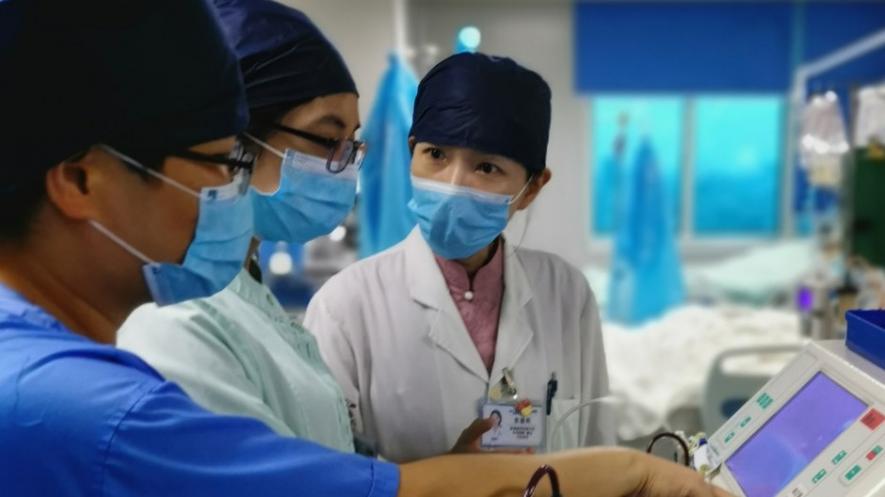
x=487, y=103
x=284, y=57
x=139, y=75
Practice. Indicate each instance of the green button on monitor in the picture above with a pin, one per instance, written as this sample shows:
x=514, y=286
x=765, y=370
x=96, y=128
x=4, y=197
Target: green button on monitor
x=852, y=473
x=746, y=421
x=841, y=455
x=819, y=476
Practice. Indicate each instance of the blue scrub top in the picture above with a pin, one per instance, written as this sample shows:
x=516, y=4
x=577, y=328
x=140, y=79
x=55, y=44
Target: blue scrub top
x=79, y=419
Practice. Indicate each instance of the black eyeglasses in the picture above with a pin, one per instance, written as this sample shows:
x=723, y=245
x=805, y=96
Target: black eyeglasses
x=238, y=160
x=342, y=153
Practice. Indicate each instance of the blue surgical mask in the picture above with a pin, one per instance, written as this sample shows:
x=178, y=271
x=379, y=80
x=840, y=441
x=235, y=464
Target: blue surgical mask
x=216, y=253
x=457, y=221
x=309, y=202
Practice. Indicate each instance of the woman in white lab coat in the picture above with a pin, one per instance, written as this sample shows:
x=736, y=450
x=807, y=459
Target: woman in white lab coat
x=423, y=334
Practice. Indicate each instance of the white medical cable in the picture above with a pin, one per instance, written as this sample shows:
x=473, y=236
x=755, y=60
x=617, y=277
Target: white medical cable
x=603, y=400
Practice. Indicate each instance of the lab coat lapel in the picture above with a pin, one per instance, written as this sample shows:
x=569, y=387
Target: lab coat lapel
x=428, y=288
x=515, y=333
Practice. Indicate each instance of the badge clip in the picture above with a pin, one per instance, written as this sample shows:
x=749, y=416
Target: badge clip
x=505, y=390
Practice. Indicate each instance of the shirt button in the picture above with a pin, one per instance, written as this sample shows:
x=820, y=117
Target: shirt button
x=468, y=296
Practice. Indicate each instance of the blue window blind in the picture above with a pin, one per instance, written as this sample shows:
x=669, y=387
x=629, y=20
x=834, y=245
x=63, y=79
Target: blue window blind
x=683, y=46
x=727, y=46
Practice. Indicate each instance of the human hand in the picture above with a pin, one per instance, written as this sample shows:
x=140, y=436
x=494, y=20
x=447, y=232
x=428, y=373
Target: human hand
x=470, y=441
x=661, y=478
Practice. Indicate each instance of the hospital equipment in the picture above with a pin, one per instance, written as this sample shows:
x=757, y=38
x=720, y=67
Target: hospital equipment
x=541, y=472
x=801, y=77
x=824, y=140
x=866, y=335
x=727, y=389
x=866, y=217
x=816, y=303
x=553, y=438
x=870, y=124
x=817, y=429
x=679, y=438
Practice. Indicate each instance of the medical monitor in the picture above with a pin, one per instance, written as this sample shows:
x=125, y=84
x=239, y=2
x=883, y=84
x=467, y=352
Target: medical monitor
x=816, y=429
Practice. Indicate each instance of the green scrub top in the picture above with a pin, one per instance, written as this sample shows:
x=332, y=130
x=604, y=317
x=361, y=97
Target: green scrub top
x=239, y=352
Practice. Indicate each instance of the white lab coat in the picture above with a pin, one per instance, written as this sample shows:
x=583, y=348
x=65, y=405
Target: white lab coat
x=392, y=336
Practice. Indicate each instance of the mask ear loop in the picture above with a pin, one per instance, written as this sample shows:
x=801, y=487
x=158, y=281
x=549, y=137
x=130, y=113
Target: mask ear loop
x=122, y=243
x=162, y=177
x=513, y=247
x=265, y=145
x=524, y=188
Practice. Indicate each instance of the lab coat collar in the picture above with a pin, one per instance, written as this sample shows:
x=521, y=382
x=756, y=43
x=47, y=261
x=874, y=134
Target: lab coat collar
x=426, y=283
x=428, y=287
x=516, y=283
x=515, y=332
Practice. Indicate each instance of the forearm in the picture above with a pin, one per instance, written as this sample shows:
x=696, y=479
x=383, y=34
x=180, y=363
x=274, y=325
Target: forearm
x=584, y=473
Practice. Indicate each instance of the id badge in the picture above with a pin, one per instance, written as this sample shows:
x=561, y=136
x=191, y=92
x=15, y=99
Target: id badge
x=517, y=426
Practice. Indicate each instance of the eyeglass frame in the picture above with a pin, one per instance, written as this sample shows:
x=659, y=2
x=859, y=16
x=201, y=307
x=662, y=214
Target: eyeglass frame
x=235, y=161
x=332, y=144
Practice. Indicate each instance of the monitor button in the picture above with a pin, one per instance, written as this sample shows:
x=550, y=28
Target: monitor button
x=873, y=419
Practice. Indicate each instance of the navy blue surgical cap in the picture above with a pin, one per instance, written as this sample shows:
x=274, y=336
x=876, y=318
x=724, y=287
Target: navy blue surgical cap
x=139, y=75
x=284, y=57
x=490, y=104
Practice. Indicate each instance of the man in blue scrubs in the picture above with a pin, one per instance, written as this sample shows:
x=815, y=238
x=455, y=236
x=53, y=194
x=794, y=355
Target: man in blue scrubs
x=117, y=186
x=152, y=80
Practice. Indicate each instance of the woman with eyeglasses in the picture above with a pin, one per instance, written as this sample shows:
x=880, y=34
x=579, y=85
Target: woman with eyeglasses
x=238, y=352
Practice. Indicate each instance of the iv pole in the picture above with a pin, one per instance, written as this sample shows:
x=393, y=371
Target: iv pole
x=400, y=36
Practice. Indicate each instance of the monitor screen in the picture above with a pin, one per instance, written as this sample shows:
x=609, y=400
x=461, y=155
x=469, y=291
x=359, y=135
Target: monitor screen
x=793, y=437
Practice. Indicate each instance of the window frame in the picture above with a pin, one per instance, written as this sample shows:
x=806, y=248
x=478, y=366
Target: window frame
x=691, y=244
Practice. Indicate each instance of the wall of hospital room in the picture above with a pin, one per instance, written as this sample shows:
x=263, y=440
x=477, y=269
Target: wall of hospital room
x=538, y=36
x=363, y=32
